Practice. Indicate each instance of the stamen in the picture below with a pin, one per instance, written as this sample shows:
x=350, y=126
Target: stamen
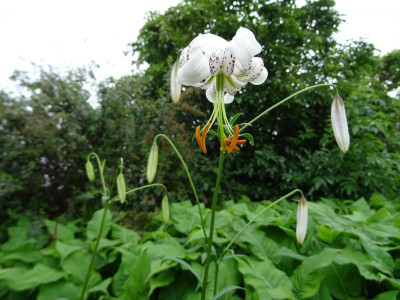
x=198, y=136
x=232, y=144
x=203, y=138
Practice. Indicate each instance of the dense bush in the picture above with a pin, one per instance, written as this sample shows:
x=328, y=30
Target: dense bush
x=351, y=250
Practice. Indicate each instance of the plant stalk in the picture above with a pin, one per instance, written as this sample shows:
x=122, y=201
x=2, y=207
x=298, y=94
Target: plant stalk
x=287, y=99
x=96, y=246
x=211, y=234
x=196, y=196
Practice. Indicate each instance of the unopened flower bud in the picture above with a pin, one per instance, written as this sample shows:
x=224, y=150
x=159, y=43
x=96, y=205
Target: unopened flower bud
x=175, y=84
x=121, y=187
x=152, y=163
x=165, y=209
x=302, y=218
x=339, y=124
x=89, y=170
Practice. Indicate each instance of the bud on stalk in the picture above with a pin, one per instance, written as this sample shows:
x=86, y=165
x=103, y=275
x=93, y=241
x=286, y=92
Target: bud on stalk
x=302, y=218
x=339, y=124
x=89, y=170
x=152, y=163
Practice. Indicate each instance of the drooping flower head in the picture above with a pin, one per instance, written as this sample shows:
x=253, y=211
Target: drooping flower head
x=221, y=68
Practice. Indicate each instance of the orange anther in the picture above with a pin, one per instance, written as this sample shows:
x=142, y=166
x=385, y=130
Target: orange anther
x=201, y=138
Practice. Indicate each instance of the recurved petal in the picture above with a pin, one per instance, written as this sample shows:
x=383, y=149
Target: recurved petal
x=339, y=124
x=210, y=42
x=244, y=46
x=228, y=98
x=194, y=70
x=302, y=219
x=261, y=79
x=253, y=71
x=211, y=93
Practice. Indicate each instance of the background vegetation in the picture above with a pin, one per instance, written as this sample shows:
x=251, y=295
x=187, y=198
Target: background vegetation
x=47, y=132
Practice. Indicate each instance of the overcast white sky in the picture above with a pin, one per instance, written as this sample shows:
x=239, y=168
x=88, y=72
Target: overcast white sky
x=75, y=33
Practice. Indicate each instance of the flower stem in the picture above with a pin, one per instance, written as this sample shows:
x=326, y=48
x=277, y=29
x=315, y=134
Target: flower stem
x=189, y=178
x=96, y=246
x=148, y=186
x=255, y=217
x=287, y=99
x=211, y=234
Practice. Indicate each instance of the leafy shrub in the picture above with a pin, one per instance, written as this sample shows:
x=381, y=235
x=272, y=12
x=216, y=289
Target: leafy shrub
x=351, y=250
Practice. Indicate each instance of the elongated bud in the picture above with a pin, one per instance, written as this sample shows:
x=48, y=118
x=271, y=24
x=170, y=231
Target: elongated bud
x=339, y=124
x=152, y=163
x=165, y=209
x=302, y=218
x=89, y=170
x=121, y=187
x=175, y=84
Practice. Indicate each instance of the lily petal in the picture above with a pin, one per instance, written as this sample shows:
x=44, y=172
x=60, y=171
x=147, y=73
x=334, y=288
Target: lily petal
x=261, y=79
x=209, y=42
x=211, y=93
x=215, y=61
x=228, y=98
x=233, y=85
x=302, y=219
x=194, y=70
x=229, y=62
x=253, y=71
x=244, y=46
x=339, y=124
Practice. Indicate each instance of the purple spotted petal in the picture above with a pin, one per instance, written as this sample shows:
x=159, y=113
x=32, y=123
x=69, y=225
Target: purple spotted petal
x=215, y=61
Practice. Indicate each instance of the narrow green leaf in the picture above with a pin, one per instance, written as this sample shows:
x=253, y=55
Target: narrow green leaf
x=137, y=285
x=184, y=263
x=249, y=137
x=235, y=117
x=227, y=290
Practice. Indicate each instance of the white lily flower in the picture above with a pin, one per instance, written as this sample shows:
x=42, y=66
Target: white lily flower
x=302, y=219
x=208, y=54
x=221, y=68
x=339, y=124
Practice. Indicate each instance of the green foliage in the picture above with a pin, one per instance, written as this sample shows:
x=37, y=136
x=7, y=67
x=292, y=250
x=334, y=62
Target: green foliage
x=351, y=250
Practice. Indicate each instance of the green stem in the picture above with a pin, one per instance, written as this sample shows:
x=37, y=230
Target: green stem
x=96, y=246
x=211, y=234
x=255, y=217
x=188, y=176
x=101, y=171
x=148, y=186
x=216, y=277
x=287, y=99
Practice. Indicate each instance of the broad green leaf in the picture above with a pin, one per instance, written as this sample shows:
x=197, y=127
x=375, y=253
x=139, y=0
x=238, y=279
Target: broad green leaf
x=59, y=290
x=226, y=291
x=162, y=279
x=124, y=234
x=66, y=249
x=342, y=280
x=23, y=254
x=63, y=232
x=265, y=278
x=76, y=265
x=40, y=274
x=101, y=287
x=327, y=235
x=137, y=284
x=390, y=295
x=306, y=278
x=93, y=226
x=128, y=259
x=186, y=265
